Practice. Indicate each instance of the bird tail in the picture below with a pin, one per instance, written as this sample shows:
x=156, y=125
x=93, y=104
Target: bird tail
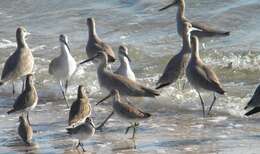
x=248, y=104
x=253, y=111
x=1, y=83
x=151, y=92
x=162, y=85
x=220, y=90
x=147, y=115
x=11, y=111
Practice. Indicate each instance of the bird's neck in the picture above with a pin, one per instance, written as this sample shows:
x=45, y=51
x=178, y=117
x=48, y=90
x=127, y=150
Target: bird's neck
x=195, y=52
x=102, y=67
x=64, y=49
x=116, y=98
x=29, y=85
x=81, y=95
x=186, y=43
x=124, y=62
x=21, y=43
x=181, y=10
x=92, y=32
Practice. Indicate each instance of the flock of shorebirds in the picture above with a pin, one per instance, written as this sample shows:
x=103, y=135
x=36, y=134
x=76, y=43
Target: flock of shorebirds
x=121, y=84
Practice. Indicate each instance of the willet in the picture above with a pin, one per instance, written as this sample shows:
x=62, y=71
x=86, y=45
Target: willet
x=80, y=109
x=203, y=30
x=176, y=66
x=125, y=68
x=25, y=131
x=63, y=66
x=200, y=76
x=126, y=112
x=27, y=100
x=110, y=81
x=254, y=103
x=82, y=131
x=95, y=44
x=21, y=62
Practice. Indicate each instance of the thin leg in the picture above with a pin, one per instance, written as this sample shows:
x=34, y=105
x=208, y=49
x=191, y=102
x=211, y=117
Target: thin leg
x=184, y=84
x=13, y=88
x=202, y=104
x=78, y=145
x=82, y=147
x=214, y=100
x=134, y=131
x=179, y=84
x=103, y=123
x=28, y=118
x=127, y=129
x=66, y=85
x=63, y=93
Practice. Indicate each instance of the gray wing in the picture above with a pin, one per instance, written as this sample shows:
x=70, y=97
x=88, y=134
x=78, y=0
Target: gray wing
x=208, y=79
x=74, y=130
x=207, y=30
x=106, y=48
x=79, y=111
x=25, y=132
x=10, y=65
x=130, y=111
x=126, y=86
x=172, y=71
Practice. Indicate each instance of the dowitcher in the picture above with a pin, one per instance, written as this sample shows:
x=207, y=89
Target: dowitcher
x=82, y=131
x=126, y=111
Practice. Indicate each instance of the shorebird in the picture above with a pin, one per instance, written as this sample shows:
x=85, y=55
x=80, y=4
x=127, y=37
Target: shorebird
x=21, y=62
x=254, y=103
x=63, y=66
x=25, y=131
x=126, y=112
x=110, y=81
x=202, y=29
x=27, y=100
x=176, y=66
x=125, y=68
x=202, y=77
x=82, y=131
x=80, y=109
x=95, y=44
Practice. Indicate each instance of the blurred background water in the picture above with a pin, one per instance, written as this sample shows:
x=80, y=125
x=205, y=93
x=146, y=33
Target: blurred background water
x=177, y=125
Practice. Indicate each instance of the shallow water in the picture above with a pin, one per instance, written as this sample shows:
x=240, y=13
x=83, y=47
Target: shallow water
x=177, y=125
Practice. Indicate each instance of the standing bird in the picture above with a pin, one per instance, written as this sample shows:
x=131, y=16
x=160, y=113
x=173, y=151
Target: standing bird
x=176, y=66
x=254, y=103
x=125, y=68
x=80, y=109
x=27, y=100
x=126, y=112
x=202, y=29
x=25, y=130
x=202, y=77
x=95, y=44
x=21, y=62
x=110, y=81
x=82, y=131
x=125, y=86
x=63, y=66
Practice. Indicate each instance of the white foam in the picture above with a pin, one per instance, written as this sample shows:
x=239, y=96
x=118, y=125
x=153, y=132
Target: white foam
x=40, y=47
x=4, y=43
